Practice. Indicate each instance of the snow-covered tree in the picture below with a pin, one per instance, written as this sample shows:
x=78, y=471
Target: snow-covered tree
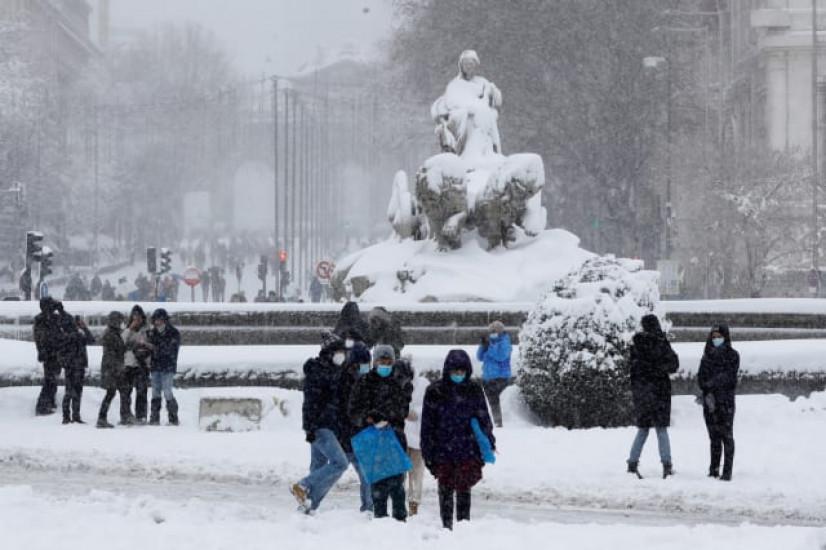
x=573, y=344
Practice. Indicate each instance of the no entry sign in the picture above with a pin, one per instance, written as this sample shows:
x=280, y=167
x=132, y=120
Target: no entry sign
x=324, y=269
x=192, y=276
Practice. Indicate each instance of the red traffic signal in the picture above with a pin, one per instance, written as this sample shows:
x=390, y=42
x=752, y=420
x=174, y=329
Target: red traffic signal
x=282, y=256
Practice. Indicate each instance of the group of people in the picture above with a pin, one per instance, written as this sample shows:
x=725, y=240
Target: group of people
x=652, y=360
x=135, y=357
x=350, y=387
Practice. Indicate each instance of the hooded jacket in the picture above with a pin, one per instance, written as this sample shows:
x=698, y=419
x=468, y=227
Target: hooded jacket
x=111, y=365
x=166, y=345
x=350, y=324
x=717, y=375
x=495, y=357
x=382, y=399
x=446, y=435
x=321, y=391
x=652, y=360
x=74, y=340
x=47, y=333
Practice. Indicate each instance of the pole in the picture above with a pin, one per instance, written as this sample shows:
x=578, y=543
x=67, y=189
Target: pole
x=668, y=148
x=815, y=144
x=293, y=185
x=95, y=159
x=286, y=179
x=275, y=173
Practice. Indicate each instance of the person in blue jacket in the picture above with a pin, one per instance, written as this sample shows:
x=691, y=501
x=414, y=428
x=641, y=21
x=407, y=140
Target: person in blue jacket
x=495, y=355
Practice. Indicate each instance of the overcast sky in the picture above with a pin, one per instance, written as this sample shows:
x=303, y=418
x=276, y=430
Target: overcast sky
x=269, y=36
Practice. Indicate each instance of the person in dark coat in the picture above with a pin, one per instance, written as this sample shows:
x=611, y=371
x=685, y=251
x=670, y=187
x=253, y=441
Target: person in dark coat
x=358, y=364
x=383, y=328
x=717, y=379
x=382, y=400
x=449, y=447
x=75, y=336
x=321, y=423
x=137, y=359
x=166, y=341
x=113, y=372
x=652, y=361
x=350, y=326
x=48, y=340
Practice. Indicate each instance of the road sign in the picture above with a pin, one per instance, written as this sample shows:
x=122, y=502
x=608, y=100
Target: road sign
x=192, y=276
x=324, y=269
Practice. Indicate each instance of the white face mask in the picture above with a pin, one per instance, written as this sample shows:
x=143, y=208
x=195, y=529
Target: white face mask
x=348, y=343
x=338, y=359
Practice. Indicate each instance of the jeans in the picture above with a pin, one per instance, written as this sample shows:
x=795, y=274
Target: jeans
x=327, y=464
x=364, y=487
x=162, y=382
x=662, y=442
x=392, y=487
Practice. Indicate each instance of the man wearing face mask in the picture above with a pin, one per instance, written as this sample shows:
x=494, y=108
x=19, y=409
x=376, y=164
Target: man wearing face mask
x=717, y=379
x=494, y=352
x=320, y=420
x=382, y=400
x=356, y=366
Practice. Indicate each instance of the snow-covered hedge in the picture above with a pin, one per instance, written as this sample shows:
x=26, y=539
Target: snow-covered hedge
x=574, y=343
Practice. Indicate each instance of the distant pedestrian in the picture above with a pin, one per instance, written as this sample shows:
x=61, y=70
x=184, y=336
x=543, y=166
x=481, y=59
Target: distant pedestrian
x=381, y=400
x=137, y=359
x=350, y=326
x=166, y=341
x=48, y=339
x=316, y=289
x=358, y=365
x=450, y=449
x=495, y=354
x=717, y=378
x=320, y=421
x=205, y=284
x=384, y=328
x=107, y=293
x=96, y=286
x=113, y=372
x=412, y=430
x=652, y=361
x=76, y=336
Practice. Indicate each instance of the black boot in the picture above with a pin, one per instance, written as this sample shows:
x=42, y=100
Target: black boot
x=633, y=468
x=462, y=506
x=155, y=414
x=668, y=469
x=172, y=410
x=103, y=423
x=713, y=472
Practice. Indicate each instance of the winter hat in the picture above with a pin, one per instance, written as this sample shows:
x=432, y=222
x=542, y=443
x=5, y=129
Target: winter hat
x=47, y=304
x=359, y=354
x=383, y=351
x=458, y=359
x=160, y=313
x=650, y=323
x=115, y=318
x=497, y=326
x=330, y=342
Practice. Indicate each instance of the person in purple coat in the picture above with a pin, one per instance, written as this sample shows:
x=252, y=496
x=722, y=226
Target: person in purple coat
x=449, y=446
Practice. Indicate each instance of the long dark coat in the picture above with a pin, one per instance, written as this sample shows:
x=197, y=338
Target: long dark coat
x=717, y=379
x=652, y=360
x=112, y=364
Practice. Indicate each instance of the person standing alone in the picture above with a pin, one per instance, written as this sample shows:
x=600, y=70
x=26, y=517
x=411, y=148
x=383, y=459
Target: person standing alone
x=495, y=354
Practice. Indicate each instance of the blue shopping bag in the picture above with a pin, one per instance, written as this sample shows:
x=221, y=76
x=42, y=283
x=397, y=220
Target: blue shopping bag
x=484, y=443
x=379, y=454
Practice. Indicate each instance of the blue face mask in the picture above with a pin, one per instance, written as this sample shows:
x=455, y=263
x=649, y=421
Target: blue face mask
x=493, y=336
x=457, y=378
x=384, y=370
x=364, y=368
x=718, y=342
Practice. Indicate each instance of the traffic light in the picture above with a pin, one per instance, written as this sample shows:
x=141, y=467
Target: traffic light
x=151, y=260
x=262, y=268
x=282, y=259
x=166, y=260
x=46, y=260
x=34, y=246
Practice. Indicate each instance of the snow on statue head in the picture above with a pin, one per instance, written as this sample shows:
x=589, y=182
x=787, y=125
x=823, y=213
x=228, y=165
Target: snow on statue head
x=471, y=185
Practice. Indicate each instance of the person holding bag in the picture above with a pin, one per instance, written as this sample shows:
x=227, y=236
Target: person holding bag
x=450, y=448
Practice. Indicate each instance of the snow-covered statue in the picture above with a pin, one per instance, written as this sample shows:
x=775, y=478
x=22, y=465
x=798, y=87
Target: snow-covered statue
x=466, y=115
x=403, y=212
x=471, y=185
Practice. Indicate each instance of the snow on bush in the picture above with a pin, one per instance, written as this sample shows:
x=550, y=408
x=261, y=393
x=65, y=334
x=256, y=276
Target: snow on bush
x=574, y=343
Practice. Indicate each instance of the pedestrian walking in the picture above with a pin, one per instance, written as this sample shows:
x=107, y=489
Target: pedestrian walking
x=166, y=341
x=320, y=421
x=75, y=336
x=113, y=372
x=717, y=379
x=412, y=431
x=381, y=400
x=350, y=326
x=384, y=328
x=450, y=449
x=494, y=352
x=137, y=359
x=652, y=361
x=358, y=364
x=48, y=340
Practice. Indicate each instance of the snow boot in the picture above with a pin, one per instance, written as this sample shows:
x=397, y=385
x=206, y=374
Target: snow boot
x=103, y=423
x=633, y=468
x=172, y=411
x=155, y=414
x=300, y=494
x=413, y=507
x=668, y=469
x=67, y=420
x=713, y=472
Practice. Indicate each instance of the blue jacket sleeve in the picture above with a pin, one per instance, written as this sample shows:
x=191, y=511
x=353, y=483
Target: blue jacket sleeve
x=500, y=350
x=480, y=353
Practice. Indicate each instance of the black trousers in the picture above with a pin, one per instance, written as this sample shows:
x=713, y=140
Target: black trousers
x=392, y=487
x=46, y=400
x=137, y=378
x=446, y=505
x=493, y=389
x=720, y=426
x=73, y=393
x=125, y=402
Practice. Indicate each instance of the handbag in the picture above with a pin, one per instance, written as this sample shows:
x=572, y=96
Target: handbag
x=379, y=454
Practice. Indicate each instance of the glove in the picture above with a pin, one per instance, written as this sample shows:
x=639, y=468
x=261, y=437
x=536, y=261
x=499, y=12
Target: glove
x=382, y=424
x=310, y=437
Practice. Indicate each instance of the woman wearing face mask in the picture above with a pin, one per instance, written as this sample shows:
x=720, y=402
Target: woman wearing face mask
x=357, y=365
x=380, y=399
x=494, y=352
x=449, y=447
x=717, y=379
